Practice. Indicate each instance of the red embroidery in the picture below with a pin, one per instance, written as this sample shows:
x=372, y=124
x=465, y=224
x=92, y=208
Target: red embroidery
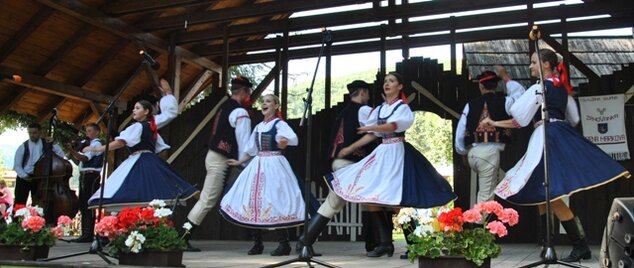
x=224, y=146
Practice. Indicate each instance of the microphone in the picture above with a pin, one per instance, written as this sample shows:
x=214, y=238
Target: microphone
x=154, y=64
x=535, y=33
x=327, y=35
x=12, y=77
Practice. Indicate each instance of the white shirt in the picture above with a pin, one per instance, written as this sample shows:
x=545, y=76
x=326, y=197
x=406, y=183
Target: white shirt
x=35, y=152
x=90, y=154
x=240, y=120
x=169, y=110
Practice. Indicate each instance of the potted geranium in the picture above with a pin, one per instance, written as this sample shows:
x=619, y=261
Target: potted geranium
x=144, y=236
x=440, y=235
x=25, y=236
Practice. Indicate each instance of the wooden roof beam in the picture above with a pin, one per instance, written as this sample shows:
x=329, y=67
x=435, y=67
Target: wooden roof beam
x=10, y=102
x=264, y=83
x=125, y=7
x=94, y=17
x=24, y=32
x=194, y=88
x=345, y=18
x=585, y=70
x=246, y=11
x=428, y=26
x=49, y=86
x=517, y=32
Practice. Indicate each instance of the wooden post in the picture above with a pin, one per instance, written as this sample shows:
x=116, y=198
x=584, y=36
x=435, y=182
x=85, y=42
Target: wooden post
x=225, y=61
x=285, y=73
x=452, y=43
x=328, y=75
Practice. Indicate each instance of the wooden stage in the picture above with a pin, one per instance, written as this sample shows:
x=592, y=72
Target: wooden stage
x=342, y=254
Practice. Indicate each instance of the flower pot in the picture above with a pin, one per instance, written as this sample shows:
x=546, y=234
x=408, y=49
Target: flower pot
x=27, y=253
x=172, y=258
x=450, y=262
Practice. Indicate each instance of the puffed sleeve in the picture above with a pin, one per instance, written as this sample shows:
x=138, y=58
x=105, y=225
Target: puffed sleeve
x=402, y=117
x=372, y=117
x=160, y=145
x=251, y=147
x=460, y=130
x=572, y=112
x=131, y=135
x=169, y=110
x=524, y=109
x=285, y=131
x=364, y=114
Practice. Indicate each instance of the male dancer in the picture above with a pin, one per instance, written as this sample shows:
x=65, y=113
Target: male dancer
x=230, y=131
x=90, y=171
x=483, y=145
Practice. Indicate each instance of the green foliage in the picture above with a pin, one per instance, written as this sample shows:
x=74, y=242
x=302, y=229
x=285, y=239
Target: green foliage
x=159, y=238
x=14, y=234
x=432, y=136
x=475, y=245
x=14, y=120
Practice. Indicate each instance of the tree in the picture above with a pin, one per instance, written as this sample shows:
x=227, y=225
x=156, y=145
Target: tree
x=432, y=136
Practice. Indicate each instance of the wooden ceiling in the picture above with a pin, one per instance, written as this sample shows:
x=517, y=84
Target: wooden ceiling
x=76, y=56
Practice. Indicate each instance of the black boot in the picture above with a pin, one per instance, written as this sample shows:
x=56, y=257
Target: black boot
x=87, y=227
x=187, y=236
x=284, y=247
x=580, y=249
x=543, y=233
x=314, y=228
x=406, y=233
x=379, y=220
x=369, y=230
x=258, y=246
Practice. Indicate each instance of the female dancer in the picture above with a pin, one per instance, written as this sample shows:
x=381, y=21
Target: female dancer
x=144, y=176
x=394, y=174
x=590, y=167
x=266, y=195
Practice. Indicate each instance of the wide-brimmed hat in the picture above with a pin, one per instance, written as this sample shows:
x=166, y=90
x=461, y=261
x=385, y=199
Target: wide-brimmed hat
x=357, y=84
x=240, y=82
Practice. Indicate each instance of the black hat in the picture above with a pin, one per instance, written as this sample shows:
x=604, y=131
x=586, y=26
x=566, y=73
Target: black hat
x=488, y=79
x=357, y=84
x=240, y=82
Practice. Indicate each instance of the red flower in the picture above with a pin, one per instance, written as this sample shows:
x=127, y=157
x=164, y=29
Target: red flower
x=147, y=214
x=451, y=221
x=128, y=217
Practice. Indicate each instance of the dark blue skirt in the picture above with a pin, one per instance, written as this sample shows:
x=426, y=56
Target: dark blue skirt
x=575, y=164
x=149, y=178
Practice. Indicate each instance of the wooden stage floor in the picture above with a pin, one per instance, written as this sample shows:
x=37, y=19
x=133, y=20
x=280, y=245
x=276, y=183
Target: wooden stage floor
x=343, y=254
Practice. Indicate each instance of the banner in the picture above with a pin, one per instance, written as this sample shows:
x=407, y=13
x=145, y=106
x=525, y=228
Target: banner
x=603, y=121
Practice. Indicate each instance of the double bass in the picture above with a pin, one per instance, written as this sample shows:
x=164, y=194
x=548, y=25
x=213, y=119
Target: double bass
x=53, y=193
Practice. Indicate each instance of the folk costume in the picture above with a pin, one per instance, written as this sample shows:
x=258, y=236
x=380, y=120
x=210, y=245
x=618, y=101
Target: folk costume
x=590, y=167
x=266, y=195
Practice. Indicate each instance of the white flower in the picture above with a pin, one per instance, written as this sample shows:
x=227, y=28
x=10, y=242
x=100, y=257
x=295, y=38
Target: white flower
x=23, y=212
x=187, y=226
x=157, y=203
x=402, y=219
x=162, y=212
x=40, y=211
x=135, y=241
x=423, y=230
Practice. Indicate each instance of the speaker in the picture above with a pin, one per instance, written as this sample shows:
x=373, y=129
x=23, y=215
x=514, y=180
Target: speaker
x=617, y=246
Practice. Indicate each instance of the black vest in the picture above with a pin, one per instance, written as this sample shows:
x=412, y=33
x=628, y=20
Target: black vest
x=487, y=105
x=223, y=137
x=345, y=133
x=147, y=139
x=94, y=162
x=556, y=102
x=27, y=151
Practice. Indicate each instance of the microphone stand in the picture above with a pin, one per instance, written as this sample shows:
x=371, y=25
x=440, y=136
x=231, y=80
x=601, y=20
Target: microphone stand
x=550, y=257
x=306, y=255
x=96, y=247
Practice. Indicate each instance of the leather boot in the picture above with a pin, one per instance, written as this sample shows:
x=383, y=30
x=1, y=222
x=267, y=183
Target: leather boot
x=577, y=235
x=314, y=228
x=544, y=232
x=370, y=232
x=379, y=221
x=406, y=233
x=284, y=247
x=258, y=246
x=87, y=228
x=187, y=236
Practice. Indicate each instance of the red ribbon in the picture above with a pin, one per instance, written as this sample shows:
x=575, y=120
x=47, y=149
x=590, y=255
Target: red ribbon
x=154, y=128
x=564, y=79
x=486, y=78
x=403, y=97
x=279, y=115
